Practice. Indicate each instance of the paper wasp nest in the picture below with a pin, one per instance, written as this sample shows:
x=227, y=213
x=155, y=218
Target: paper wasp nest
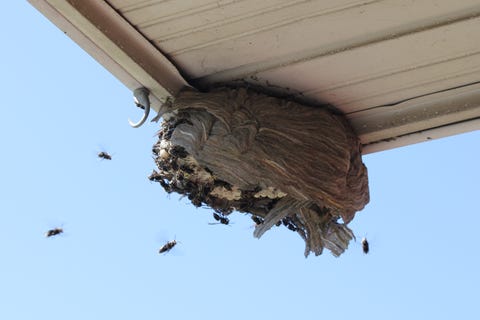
x=282, y=162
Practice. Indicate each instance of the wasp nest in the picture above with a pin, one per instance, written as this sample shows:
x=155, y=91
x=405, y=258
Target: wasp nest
x=282, y=162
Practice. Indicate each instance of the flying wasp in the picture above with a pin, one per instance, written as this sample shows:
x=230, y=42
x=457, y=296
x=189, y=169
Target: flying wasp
x=365, y=245
x=168, y=246
x=104, y=155
x=220, y=218
x=53, y=232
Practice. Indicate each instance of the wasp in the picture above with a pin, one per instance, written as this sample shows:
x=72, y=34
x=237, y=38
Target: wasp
x=195, y=198
x=178, y=151
x=365, y=245
x=155, y=176
x=104, y=155
x=53, y=232
x=220, y=218
x=168, y=246
x=287, y=222
x=258, y=220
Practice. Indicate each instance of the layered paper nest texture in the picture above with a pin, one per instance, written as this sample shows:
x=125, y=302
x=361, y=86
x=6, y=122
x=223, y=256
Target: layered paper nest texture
x=280, y=161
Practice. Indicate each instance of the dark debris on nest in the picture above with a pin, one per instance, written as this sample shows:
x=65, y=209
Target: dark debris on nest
x=282, y=162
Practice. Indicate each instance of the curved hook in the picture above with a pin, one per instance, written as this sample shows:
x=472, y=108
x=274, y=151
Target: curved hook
x=140, y=96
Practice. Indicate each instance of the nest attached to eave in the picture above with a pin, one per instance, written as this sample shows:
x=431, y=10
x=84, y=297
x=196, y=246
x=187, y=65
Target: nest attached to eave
x=282, y=162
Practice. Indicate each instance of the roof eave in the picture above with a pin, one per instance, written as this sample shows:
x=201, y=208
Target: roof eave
x=114, y=43
x=109, y=38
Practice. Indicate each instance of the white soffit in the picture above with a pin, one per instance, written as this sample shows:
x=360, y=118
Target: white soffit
x=403, y=71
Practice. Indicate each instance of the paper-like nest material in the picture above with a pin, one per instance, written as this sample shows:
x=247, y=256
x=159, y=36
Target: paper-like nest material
x=282, y=162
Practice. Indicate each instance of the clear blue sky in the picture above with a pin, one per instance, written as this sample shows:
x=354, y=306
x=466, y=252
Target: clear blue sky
x=59, y=107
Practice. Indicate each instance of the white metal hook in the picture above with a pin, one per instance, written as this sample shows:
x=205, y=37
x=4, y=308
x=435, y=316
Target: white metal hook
x=140, y=96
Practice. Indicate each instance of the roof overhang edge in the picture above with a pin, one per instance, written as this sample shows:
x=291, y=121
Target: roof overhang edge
x=114, y=43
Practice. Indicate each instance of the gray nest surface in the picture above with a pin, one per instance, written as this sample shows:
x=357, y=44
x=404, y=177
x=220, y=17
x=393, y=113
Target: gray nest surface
x=282, y=162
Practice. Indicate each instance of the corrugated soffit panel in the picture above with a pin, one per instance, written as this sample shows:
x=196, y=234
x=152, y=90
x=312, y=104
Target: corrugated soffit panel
x=403, y=71
x=389, y=65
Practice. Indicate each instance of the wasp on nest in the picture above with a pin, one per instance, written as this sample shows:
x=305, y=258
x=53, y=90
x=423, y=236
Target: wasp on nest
x=280, y=161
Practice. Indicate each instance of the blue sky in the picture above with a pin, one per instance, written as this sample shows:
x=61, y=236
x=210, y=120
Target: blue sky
x=60, y=107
